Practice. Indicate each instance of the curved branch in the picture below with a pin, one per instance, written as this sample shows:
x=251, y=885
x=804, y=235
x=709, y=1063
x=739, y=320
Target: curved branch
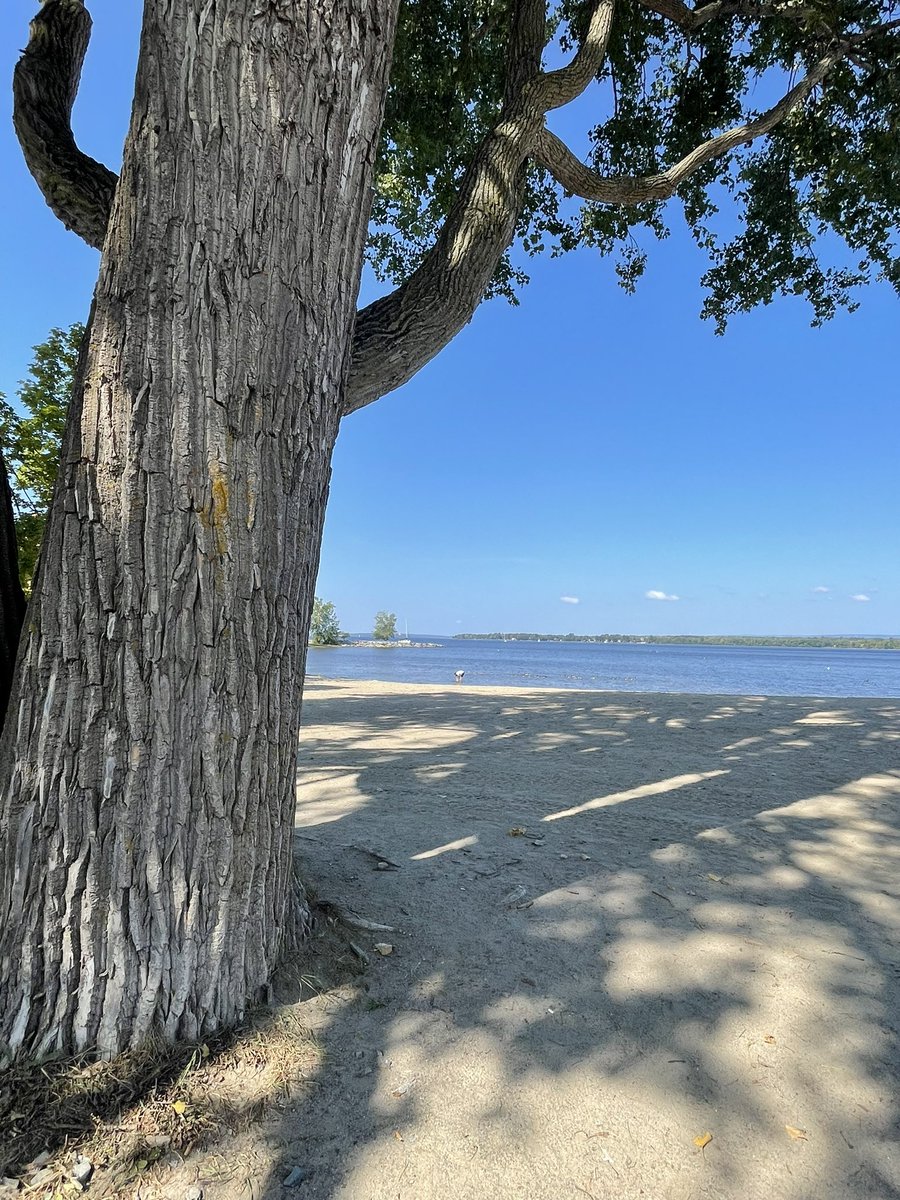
x=398, y=334
x=556, y=88
x=689, y=19
x=580, y=180
x=78, y=189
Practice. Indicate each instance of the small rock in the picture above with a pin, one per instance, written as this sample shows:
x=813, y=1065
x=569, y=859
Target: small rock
x=42, y=1178
x=539, y=842
x=384, y=948
x=382, y=866
x=194, y=1193
x=297, y=1175
x=82, y=1170
x=158, y=1141
x=564, y=856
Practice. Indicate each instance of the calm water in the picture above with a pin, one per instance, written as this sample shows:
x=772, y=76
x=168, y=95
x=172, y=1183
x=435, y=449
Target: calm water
x=738, y=670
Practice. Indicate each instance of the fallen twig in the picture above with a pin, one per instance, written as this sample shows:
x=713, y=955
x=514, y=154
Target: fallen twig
x=359, y=952
x=351, y=920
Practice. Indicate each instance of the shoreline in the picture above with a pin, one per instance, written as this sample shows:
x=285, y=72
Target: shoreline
x=500, y=688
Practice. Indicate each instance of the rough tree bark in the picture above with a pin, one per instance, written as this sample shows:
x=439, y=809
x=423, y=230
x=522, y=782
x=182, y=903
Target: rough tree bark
x=12, y=599
x=149, y=757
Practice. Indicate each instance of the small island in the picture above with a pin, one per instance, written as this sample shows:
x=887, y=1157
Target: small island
x=387, y=644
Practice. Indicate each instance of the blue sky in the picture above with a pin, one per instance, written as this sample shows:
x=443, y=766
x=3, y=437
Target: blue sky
x=588, y=462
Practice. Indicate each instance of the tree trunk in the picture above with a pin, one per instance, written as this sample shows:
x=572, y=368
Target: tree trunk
x=12, y=598
x=147, y=769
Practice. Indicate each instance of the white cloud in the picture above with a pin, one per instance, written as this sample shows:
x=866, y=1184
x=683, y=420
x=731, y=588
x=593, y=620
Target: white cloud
x=861, y=597
x=570, y=599
x=654, y=595
x=821, y=590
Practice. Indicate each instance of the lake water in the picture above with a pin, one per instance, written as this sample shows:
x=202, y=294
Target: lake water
x=734, y=670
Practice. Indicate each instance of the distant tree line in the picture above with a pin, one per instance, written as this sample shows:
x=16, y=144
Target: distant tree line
x=815, y=643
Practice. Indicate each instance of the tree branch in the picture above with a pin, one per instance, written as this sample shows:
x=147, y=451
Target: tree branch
x=690, y=19
x=398, y=334
x=580, y=180
x=78, y=189
x=557, y=88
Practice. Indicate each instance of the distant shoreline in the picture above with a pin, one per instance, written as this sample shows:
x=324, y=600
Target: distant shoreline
x=809, y=643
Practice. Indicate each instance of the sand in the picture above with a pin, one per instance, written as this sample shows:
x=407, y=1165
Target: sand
x=628, y=922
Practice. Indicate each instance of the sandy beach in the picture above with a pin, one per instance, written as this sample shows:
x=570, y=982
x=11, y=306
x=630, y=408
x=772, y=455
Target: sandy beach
x=647, y=946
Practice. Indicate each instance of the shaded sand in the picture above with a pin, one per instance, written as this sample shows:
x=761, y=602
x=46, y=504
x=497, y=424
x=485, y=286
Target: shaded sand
x=711, y=945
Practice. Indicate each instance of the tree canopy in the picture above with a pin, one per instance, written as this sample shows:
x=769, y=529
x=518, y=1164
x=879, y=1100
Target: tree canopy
x=786, y=112
x=385, y=626
x=324, y=629
x=773, y=122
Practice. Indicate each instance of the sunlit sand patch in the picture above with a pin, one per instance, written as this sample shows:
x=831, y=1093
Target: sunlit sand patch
x=554, y=741
x=743, y=744
x=328, y=801
x=843, y=801
x=459, y=844
x=837, y=716
x=439, y=772
x=619, y=712
x=410, y=736
x=646, y=789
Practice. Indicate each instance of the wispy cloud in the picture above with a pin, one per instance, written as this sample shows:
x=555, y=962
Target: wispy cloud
x=822, y=590
x=861, y=597
x=655, y=595
x=570, y=599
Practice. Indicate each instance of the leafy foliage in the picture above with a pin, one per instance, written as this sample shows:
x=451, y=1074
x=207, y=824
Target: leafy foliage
x=445, y=94
x=385, y=626
x=31, y=442
x=810, y=210
x=324, y=629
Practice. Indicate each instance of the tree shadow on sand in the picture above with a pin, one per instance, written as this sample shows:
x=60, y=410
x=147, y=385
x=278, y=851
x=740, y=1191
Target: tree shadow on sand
x=696, y=930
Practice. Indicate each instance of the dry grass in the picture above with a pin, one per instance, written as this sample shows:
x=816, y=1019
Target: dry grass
x=128, y=1114
x=150, y=1108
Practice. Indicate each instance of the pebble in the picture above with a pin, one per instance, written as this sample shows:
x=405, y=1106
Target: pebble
x=384, y=948
x=82, y=1170
x=194, y=1193
x=297, y=1175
